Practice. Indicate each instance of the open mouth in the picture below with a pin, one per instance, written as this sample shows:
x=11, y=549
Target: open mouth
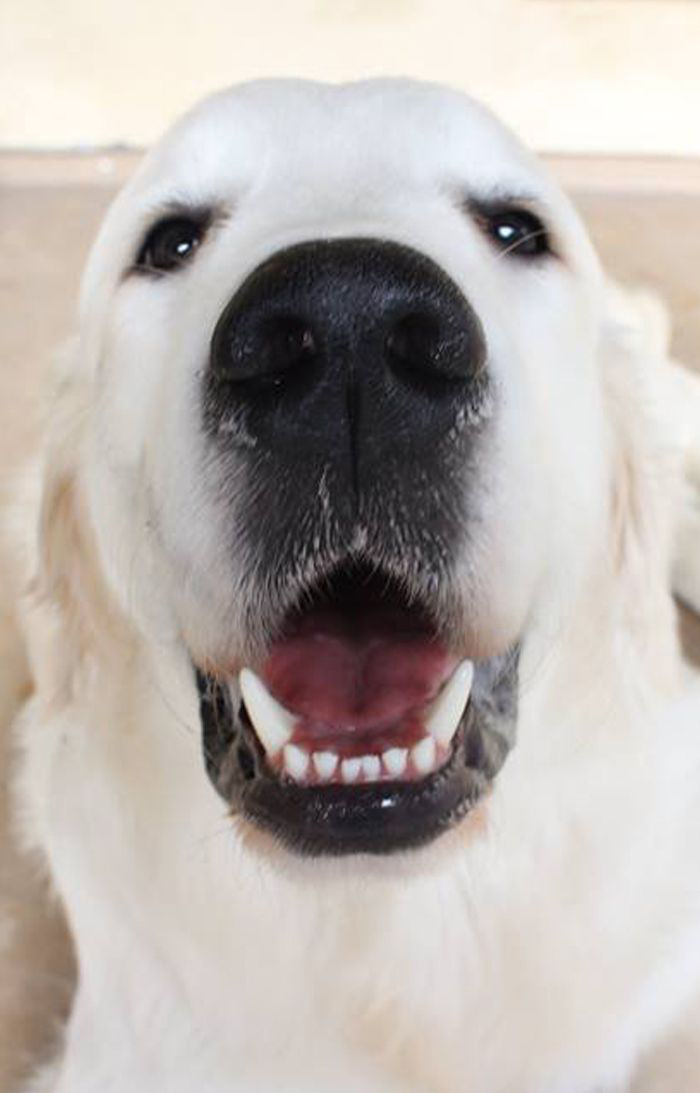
x=360, y=730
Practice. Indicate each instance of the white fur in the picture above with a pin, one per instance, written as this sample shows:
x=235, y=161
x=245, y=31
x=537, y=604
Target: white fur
x=549, y=944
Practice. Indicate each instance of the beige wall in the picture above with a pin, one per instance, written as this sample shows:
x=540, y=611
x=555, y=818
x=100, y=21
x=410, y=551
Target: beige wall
x=571, y=75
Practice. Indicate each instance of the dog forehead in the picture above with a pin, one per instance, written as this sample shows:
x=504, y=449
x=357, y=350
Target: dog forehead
x=286, y=152
x=385, y=133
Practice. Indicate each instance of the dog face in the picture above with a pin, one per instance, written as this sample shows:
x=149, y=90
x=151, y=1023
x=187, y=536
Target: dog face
x=347, y=443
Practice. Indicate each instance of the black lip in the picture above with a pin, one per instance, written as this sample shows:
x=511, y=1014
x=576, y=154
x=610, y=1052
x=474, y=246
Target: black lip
x=377, y=818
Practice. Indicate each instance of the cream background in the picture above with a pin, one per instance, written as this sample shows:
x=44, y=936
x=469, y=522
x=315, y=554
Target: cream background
x=620, y=76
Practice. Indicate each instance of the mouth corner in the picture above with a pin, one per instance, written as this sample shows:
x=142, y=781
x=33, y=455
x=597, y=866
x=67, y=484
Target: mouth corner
x=360, y=730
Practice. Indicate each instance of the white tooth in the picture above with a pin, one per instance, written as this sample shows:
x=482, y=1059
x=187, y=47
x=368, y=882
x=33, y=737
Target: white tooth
x=395, y=760
x=423, y=755
x=296, y=761
x=371, y=766
x=445, y=713
x=349, y=769
x=325, y=763
x=272, y=723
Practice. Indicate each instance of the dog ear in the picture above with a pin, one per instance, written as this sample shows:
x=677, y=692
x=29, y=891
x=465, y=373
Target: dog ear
x=656, y=421
x=678, y=392
x=683, y=400
x=71, y=612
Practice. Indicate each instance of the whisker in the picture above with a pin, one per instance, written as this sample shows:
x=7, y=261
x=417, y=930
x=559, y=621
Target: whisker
x=519, y=242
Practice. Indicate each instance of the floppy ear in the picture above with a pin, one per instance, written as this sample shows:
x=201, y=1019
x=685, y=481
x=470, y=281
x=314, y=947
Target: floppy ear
x=68, y=609
x=683, y=399
x=678, y=391
x=656, y=409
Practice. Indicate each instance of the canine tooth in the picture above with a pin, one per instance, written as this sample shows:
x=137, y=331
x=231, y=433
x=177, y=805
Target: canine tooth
x=446, y=711
x=423, y=755
x=325, y=763
x=272, y=723
x=371, y=766
x=395, y=760
x=296, y=761
x=349, y=769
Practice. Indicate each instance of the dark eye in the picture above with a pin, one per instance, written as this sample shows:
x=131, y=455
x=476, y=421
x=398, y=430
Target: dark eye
x=515, y=231
x=171, y=243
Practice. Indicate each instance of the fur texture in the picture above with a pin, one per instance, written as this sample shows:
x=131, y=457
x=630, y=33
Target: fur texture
x=549, y=944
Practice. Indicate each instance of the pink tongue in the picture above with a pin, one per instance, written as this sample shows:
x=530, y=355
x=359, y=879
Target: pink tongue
x=344, y=674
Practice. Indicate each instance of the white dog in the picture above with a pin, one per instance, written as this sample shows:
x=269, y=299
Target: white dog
x=362, y=752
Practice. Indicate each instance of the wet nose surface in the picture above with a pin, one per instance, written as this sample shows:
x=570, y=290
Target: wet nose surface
x=362, y=344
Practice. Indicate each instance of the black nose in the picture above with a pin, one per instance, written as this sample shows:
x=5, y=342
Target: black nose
x=359, y=345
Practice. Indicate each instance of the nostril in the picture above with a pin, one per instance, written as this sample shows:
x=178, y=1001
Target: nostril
x=413, y=340
x=263, y=351
x=422, y=354
x=285, y=341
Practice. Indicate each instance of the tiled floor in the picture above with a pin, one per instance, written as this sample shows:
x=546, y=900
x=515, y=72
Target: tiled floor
x=49, y=211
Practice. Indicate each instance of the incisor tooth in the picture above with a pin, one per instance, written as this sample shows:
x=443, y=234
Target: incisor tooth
x=395, y=760
x=371, y=766
x=325, y=763
x=296, y=761
x=349, y=769
x=423, y=755
x=445, y=713
x=272, y=723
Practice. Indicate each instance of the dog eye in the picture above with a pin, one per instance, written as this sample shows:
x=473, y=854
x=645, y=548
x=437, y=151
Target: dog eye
x=170, y=244
x=515, y=231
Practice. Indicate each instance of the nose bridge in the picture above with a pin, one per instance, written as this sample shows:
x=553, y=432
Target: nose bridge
x=353, y=349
